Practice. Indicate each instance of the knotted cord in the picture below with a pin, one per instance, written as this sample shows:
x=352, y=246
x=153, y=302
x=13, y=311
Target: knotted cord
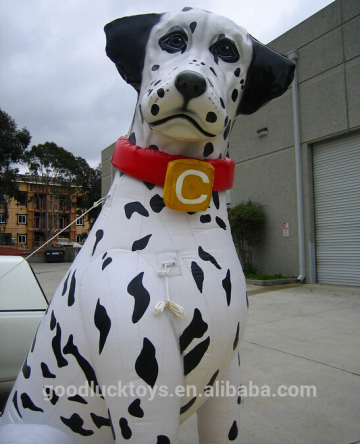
x=160, y=306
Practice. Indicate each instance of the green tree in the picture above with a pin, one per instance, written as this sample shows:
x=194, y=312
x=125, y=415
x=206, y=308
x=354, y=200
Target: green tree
x=13, y=143
x=58, y=175
x=53, y=171
x=246, y=221
x=89, y=181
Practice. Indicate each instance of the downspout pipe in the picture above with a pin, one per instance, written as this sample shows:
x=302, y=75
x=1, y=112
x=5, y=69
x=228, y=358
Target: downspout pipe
x=293, y=56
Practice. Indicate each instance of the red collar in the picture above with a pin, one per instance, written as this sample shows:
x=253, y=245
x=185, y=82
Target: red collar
x=150, y=165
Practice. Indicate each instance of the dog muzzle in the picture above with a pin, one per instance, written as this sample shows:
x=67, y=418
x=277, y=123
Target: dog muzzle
x=188, y=182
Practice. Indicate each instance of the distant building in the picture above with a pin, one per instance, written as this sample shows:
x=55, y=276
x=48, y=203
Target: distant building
x=26, y=225
x=307, y=174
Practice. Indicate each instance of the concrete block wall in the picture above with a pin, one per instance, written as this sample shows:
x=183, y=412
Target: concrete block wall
x=106, y=169
x=329, y=101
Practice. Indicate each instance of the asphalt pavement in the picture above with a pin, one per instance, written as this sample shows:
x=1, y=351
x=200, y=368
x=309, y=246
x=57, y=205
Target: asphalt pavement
x=300, y=360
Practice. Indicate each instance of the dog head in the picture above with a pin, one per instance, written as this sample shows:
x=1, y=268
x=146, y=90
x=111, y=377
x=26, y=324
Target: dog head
x=195, y=72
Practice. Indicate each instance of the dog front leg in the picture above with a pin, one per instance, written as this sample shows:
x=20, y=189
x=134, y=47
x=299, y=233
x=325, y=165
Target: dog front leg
x=219, y=417
x=135, y=353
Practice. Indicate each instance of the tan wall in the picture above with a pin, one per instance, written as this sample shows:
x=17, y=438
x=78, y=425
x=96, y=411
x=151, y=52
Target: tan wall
x=29, y=228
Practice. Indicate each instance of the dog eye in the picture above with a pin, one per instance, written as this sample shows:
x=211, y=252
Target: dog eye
x=173, y=43
x=226, y=50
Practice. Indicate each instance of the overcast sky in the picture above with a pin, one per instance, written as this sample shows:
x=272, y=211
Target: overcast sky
x=56, y=79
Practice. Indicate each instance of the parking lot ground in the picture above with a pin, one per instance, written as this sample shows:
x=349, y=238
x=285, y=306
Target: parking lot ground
x=299, y=340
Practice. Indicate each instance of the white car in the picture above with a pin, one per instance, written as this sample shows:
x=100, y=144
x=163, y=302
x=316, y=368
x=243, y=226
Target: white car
x=65, y=242
x=22, y=305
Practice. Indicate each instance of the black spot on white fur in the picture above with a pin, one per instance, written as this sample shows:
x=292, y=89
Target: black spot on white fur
x=213, y=71
x=226, y=283
x=75, y=423
x=146, y=365
x=14, y=400
x=141, y=296
x=102, y=323
x=211, y=382
x=53, y=319
x=132, y=138
x=26, y=370
x=198, y=275
x=106, y=263
x=125, y=429
x=135, y=207
x=71, y=348
x=215, y=196
x=112, y=427
x=186, y=407
x=52, y=396
x=205, y=218
x=149, y=185
x=66, y=280
x=34, y=341
x=28, y=404
x=135, y=409
x=209, y=149
x=141, y=115
x=99, y=235
x=56, y=346
x=162, y=439
x=192, y=27
x=77, y=398
x=141, y=243
x=196, y=329
x=227, y=130
x=193, y=358
x=236, y=340
x=233, y=433
x=205, y=256
x=157, y=203
x=100, y=421
x=46, y=372
x=71, y=295
x=220, y=222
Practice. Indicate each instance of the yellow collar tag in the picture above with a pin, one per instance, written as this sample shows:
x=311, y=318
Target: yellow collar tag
x=188, y=185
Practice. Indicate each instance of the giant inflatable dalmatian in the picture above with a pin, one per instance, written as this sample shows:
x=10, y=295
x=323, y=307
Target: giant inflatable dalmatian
x=156, y=300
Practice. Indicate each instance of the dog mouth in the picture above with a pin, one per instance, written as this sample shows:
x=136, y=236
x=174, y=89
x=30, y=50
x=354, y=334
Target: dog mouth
x=182, y=116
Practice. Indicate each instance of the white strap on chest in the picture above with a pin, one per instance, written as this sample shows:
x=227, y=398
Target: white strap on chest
x=160, y=306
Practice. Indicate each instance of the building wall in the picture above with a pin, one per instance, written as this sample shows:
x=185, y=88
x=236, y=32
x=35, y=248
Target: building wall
x=29, y=228
x=328, y=45
x=106, y=169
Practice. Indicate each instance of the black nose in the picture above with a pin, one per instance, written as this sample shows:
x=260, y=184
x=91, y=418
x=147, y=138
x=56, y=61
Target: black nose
x=190, y=84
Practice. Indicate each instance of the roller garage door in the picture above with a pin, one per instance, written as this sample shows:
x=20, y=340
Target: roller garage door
x=336, y=166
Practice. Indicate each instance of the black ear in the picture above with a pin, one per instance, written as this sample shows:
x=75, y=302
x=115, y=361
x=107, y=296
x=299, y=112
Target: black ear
x=126, y=40
x=269, y=76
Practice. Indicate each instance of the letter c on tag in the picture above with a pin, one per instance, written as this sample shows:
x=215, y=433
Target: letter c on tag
x=188, y=185
x=180, y=182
